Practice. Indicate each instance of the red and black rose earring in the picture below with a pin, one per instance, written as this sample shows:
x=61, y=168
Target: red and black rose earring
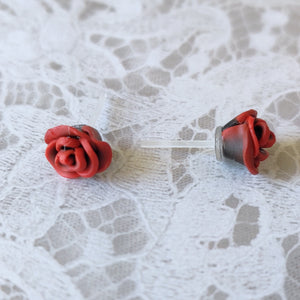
x=242, y=139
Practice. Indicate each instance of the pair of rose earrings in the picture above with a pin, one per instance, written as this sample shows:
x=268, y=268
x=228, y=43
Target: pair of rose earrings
x=78, y=151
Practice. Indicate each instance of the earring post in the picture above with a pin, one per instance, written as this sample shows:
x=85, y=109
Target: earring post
x=176, y=144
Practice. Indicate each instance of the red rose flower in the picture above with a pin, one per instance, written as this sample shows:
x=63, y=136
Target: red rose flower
x=244, y=138
x=75, y=152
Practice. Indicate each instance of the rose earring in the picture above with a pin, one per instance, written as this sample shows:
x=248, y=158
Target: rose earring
x=242, y=139
x=77, y=151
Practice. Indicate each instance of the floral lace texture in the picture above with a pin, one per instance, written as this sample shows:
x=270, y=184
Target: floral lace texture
x=158, y=223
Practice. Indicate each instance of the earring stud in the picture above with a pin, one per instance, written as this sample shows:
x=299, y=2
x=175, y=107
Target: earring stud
x=77, y=151
x=242, y=139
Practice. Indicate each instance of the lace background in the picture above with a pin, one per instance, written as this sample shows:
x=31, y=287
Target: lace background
x=162, y=223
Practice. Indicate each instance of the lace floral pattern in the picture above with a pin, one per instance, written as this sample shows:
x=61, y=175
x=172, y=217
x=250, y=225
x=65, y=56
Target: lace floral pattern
x=159, y=223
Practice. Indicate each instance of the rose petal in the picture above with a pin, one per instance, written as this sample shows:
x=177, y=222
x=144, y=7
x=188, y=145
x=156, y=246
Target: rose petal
x=256, y=162
x=241, y=118
x=250, y=121
x=248, y=153
x=51, y=153
x=66, y=142
x=263, y=154
x=92, y=161
x=80, y=160
x=104, y=154
x=63, y=131
x=65, y=158
x=262, y=132
x=271, y=141
x=65, y=170
x=261, y=157
x=72, y=160
x=67, y=174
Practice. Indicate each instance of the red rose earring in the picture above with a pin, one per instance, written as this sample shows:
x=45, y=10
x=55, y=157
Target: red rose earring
x=77, y=151
x=242, y=139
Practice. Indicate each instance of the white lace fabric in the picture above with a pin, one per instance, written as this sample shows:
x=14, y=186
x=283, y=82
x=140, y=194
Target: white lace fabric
x=159, y=223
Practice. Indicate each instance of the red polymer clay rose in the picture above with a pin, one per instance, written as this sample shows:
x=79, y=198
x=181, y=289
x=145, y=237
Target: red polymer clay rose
x=244, y=138
x=75, y=152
